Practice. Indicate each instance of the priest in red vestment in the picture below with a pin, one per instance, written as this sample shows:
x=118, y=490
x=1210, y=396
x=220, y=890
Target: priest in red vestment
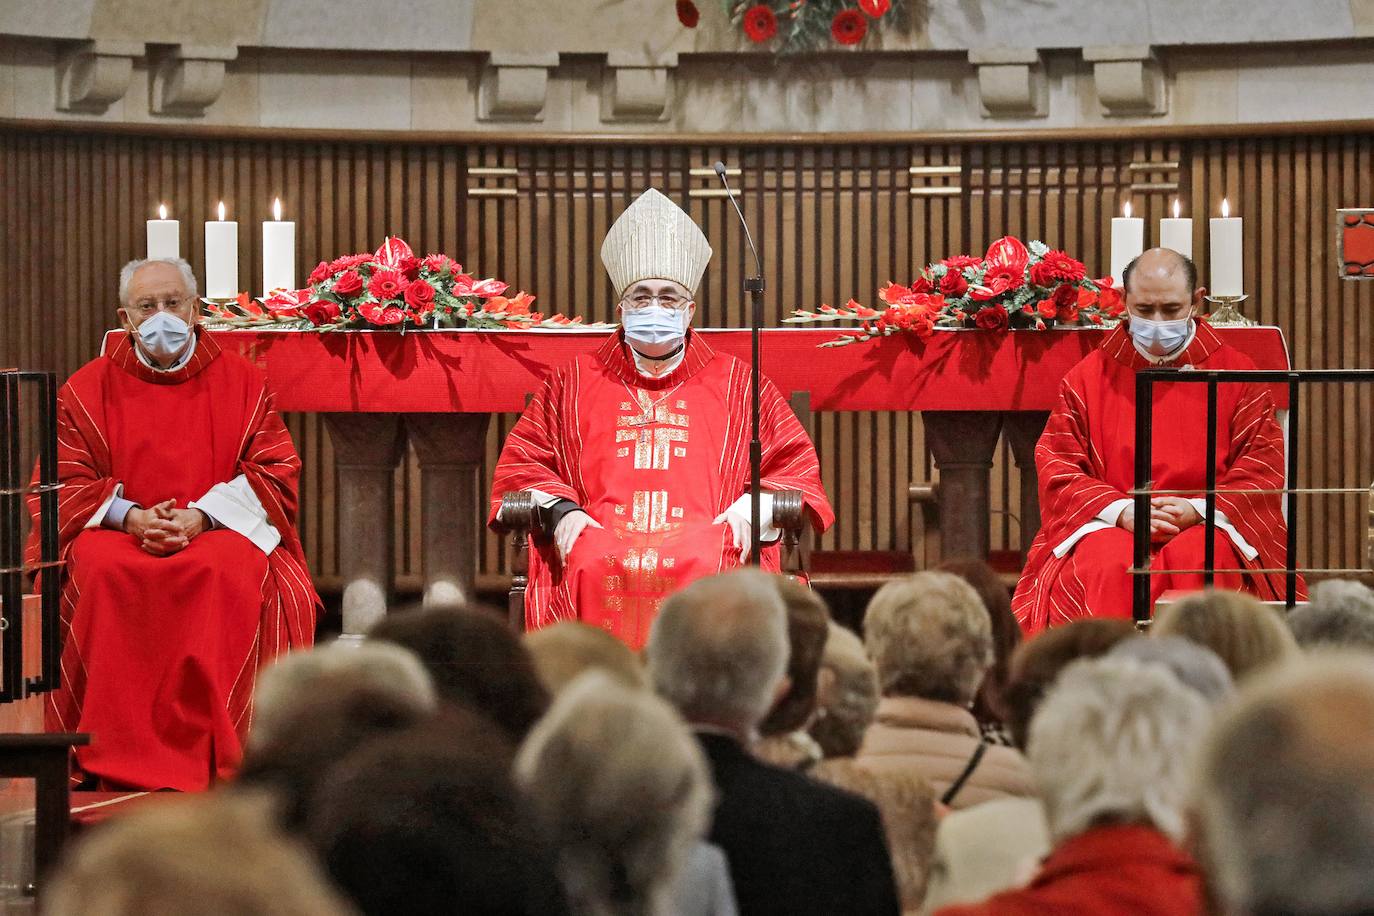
x=638, y=455
x=1077, y=565
x=177, y=522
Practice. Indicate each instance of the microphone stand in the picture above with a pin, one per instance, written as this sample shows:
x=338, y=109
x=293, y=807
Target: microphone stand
x=753, y=286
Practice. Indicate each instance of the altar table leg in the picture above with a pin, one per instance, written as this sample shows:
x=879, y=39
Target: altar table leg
x=367, y=449
x=962, y=442
x=449, y=447
x=1023, y=430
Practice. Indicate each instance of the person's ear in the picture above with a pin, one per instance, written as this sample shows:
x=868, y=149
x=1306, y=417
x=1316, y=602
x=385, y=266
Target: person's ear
x=124, y=320
x=1199, y=295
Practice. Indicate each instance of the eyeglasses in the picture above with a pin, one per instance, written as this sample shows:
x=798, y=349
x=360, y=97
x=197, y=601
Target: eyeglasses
x=149, y=306
x=668, y=301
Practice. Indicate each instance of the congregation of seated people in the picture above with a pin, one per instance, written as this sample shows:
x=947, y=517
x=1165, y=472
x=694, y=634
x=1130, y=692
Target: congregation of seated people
x=756, y=757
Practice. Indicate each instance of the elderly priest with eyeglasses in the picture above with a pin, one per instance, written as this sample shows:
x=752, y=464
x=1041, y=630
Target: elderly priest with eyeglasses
x=177, y=517
x=638, y=455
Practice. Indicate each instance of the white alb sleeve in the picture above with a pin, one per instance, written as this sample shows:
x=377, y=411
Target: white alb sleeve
x=740, y=510
x=235, y=506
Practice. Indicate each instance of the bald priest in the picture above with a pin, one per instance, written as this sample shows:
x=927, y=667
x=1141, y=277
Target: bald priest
x=638, y=455
x=177, y=523
x=1078, y=564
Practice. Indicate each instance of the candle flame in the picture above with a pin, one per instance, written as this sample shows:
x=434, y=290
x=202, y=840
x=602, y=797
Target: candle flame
x=1126, y=210
x=1225, y=208
x=276, y=208
x=221, y=210
x=1176, y=210
x=161, y=211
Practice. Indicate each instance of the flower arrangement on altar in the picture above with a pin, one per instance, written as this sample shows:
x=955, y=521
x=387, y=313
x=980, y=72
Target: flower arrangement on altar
x=390, y=289
x=1013, y=285
x=799, y=25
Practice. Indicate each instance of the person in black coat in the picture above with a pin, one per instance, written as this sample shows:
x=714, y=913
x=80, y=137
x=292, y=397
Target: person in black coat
x=718, y=652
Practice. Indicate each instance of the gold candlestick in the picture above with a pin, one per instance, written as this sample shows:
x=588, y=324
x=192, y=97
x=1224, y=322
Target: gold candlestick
x=1226, y=313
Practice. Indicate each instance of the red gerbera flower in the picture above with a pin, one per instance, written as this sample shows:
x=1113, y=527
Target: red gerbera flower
x=759, y=23
x=875, y=8
x=849, y=27
x=687, y=13
x=387, y=284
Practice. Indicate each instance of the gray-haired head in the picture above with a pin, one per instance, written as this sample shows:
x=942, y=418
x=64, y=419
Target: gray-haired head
x=1112, y=742
x=718, y=649
x=126, y=275
x=1284, y=795
x=294, y=678
x=623, y=823
x=1341, y=613
x=1195, y=666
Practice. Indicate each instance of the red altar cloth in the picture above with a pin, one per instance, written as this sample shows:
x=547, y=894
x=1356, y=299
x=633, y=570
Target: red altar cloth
x=465, y=371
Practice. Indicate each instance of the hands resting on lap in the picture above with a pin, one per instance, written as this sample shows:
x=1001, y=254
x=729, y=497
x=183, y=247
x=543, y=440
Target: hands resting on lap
x=1169, y=516
x=164, y=529
x=571, y=526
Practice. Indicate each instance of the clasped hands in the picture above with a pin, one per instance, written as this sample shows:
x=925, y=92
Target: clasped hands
x=571, y=526
x=164, y=529
x=1169, y=515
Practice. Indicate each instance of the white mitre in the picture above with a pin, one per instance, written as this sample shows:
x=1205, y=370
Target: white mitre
x=655, y=239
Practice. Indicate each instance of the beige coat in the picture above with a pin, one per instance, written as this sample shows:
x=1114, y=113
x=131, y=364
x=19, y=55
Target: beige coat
x=937, y=740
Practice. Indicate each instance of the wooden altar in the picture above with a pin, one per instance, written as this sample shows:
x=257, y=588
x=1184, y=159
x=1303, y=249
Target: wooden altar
x=439, y=389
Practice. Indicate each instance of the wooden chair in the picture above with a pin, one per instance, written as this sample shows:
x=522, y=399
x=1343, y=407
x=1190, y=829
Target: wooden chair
x=520, y=521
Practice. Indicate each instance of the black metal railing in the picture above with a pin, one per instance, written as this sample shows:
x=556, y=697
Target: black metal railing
x=14, y=487
x=1145, y=381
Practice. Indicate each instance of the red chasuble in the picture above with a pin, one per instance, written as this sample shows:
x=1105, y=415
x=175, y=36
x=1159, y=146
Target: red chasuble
x=160, y=653
x=1086, y=461
x=653, y=461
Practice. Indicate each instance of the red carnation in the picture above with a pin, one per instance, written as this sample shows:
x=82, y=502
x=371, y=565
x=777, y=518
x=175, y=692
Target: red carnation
x=875, y=8
x=960, y=261
x=387, y=284
x=320, y=273
x=348, y=262
x=348, y=283
x=687, y=13
x=436, y=263
x=953, y=284
x=991, y=318
x=759, y=23
x=321, y=312
x=1057, y=267
x=420, y=298
x=849, y=27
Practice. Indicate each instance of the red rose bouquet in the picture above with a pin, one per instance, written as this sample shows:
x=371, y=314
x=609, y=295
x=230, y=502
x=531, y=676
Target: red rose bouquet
x=392, y=289
x=1013, y=285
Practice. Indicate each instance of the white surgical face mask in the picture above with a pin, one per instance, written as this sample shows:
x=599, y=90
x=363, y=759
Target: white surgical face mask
x=654, y=324
x=1159, y=338
x=164, y=335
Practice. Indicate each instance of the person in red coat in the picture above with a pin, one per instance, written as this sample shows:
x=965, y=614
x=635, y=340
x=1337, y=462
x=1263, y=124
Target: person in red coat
x=1077, y=565
x=184, y=573
x=1110, y=749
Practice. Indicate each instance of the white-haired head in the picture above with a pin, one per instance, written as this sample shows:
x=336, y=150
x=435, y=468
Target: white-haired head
x=1112, y=742
x=126, y=275
x=1285, y=791
x=718, y=650
x=294, y=678
x=620, y=788
x=930, y=636
x=1341, y=614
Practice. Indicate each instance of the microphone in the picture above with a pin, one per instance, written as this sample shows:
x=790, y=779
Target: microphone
x=754, y=287
x=744, y=224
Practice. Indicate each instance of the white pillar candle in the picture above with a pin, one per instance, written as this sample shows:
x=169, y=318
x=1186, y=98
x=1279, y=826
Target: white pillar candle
x=221, y=257
x=278, y=253
x=1227, y=254
x=164, y=235
x=1128, y=241
x=1177, y=234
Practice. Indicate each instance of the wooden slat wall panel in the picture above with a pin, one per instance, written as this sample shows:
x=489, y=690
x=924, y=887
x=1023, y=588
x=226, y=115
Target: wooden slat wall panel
x=832, y=221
